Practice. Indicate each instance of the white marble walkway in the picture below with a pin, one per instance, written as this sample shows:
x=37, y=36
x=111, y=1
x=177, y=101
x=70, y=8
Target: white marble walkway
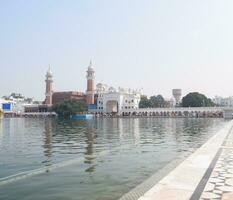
x=220, y=183
x=206, y=174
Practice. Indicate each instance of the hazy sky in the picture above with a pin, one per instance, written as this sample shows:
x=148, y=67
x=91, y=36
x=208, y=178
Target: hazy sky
x=156, y=45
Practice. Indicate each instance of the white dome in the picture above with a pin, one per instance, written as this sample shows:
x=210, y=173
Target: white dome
x=99, y=85
x=111, y=89
x=49, y=72
x=90, y=67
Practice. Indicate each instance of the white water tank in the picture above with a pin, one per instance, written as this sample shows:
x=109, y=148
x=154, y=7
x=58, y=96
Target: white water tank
x=177, y=93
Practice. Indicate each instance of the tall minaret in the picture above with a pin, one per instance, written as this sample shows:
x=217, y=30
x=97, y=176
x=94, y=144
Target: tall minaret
x=90, y=85
x=49, y=87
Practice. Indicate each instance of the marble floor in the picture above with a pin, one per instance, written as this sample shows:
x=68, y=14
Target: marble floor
x=206, y=175
x=220, y=183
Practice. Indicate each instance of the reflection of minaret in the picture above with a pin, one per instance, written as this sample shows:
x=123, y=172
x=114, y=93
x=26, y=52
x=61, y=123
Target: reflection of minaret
x=90, y=85
x=136, y=131
x=1, y=132
x=49, y=87
x=48, y=140
x=90, y=140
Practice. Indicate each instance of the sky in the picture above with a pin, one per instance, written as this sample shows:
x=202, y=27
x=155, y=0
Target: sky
x=156, y=45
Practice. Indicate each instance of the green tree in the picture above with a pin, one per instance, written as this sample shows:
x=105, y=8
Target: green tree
x=157, y=101
x=69, y=108
x=195, y=99
x=144, y=102
x=152, y=102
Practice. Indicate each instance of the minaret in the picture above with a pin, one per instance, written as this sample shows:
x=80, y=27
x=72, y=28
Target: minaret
x=90, y=85
x=49, y=87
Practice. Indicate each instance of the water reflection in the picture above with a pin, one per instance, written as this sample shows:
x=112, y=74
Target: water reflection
x=97, y=159
x=48, y=138
x=5, y=130
x=1, y=128
x=89, y=136
x=90, y=140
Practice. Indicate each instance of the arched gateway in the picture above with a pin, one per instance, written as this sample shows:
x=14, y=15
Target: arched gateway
x=112, y=106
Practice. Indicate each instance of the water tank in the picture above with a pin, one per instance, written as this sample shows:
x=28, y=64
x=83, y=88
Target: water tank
x=177, y=95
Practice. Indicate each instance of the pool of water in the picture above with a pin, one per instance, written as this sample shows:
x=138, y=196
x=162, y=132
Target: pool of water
x=99, y=159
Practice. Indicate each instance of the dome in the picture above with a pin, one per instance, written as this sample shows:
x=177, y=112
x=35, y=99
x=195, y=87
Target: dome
x=90, y=67
x=99, y=85
x=111, y=89
x=49, y=72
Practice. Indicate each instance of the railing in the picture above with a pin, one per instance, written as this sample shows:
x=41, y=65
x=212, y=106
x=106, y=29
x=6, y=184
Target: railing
x=178, y=109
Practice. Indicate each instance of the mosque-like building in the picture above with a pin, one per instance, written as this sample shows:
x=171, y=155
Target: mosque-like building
x=101, y=99
x=111, y=100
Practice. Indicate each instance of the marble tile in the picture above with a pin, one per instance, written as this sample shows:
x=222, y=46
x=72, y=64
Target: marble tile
x=229, y=182
x=225, y=188
x=210, y=195
x=209, y=187
x=217, y=192
x=228, y=175
x=227, y=196
x=216, y=180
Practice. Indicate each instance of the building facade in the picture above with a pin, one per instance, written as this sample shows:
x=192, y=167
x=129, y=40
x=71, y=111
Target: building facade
x=59, y=97
x=114, y=101
x=223, y=102
x=15, y=103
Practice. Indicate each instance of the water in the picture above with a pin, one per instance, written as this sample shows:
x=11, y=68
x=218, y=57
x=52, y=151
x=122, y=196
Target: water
x=100, y=159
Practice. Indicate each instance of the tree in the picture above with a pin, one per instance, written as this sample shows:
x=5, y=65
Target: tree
x=152, y=102
x=157, y=101
x=144, y=102
x=195, y=99
x=69, y=108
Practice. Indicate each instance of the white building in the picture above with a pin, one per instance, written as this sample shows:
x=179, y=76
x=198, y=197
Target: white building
x=111, y=100
x=170, y=102
x=224, y=102
x=15, y=103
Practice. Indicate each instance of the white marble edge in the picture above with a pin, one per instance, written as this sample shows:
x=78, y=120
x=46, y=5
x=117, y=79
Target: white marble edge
x=180, y=183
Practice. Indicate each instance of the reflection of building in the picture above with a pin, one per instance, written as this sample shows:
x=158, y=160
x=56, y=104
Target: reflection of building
x=90, y=148
x=110, y=100
x=1, y=127
x=90, y=140
x=123, y=129
x=48, y=140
